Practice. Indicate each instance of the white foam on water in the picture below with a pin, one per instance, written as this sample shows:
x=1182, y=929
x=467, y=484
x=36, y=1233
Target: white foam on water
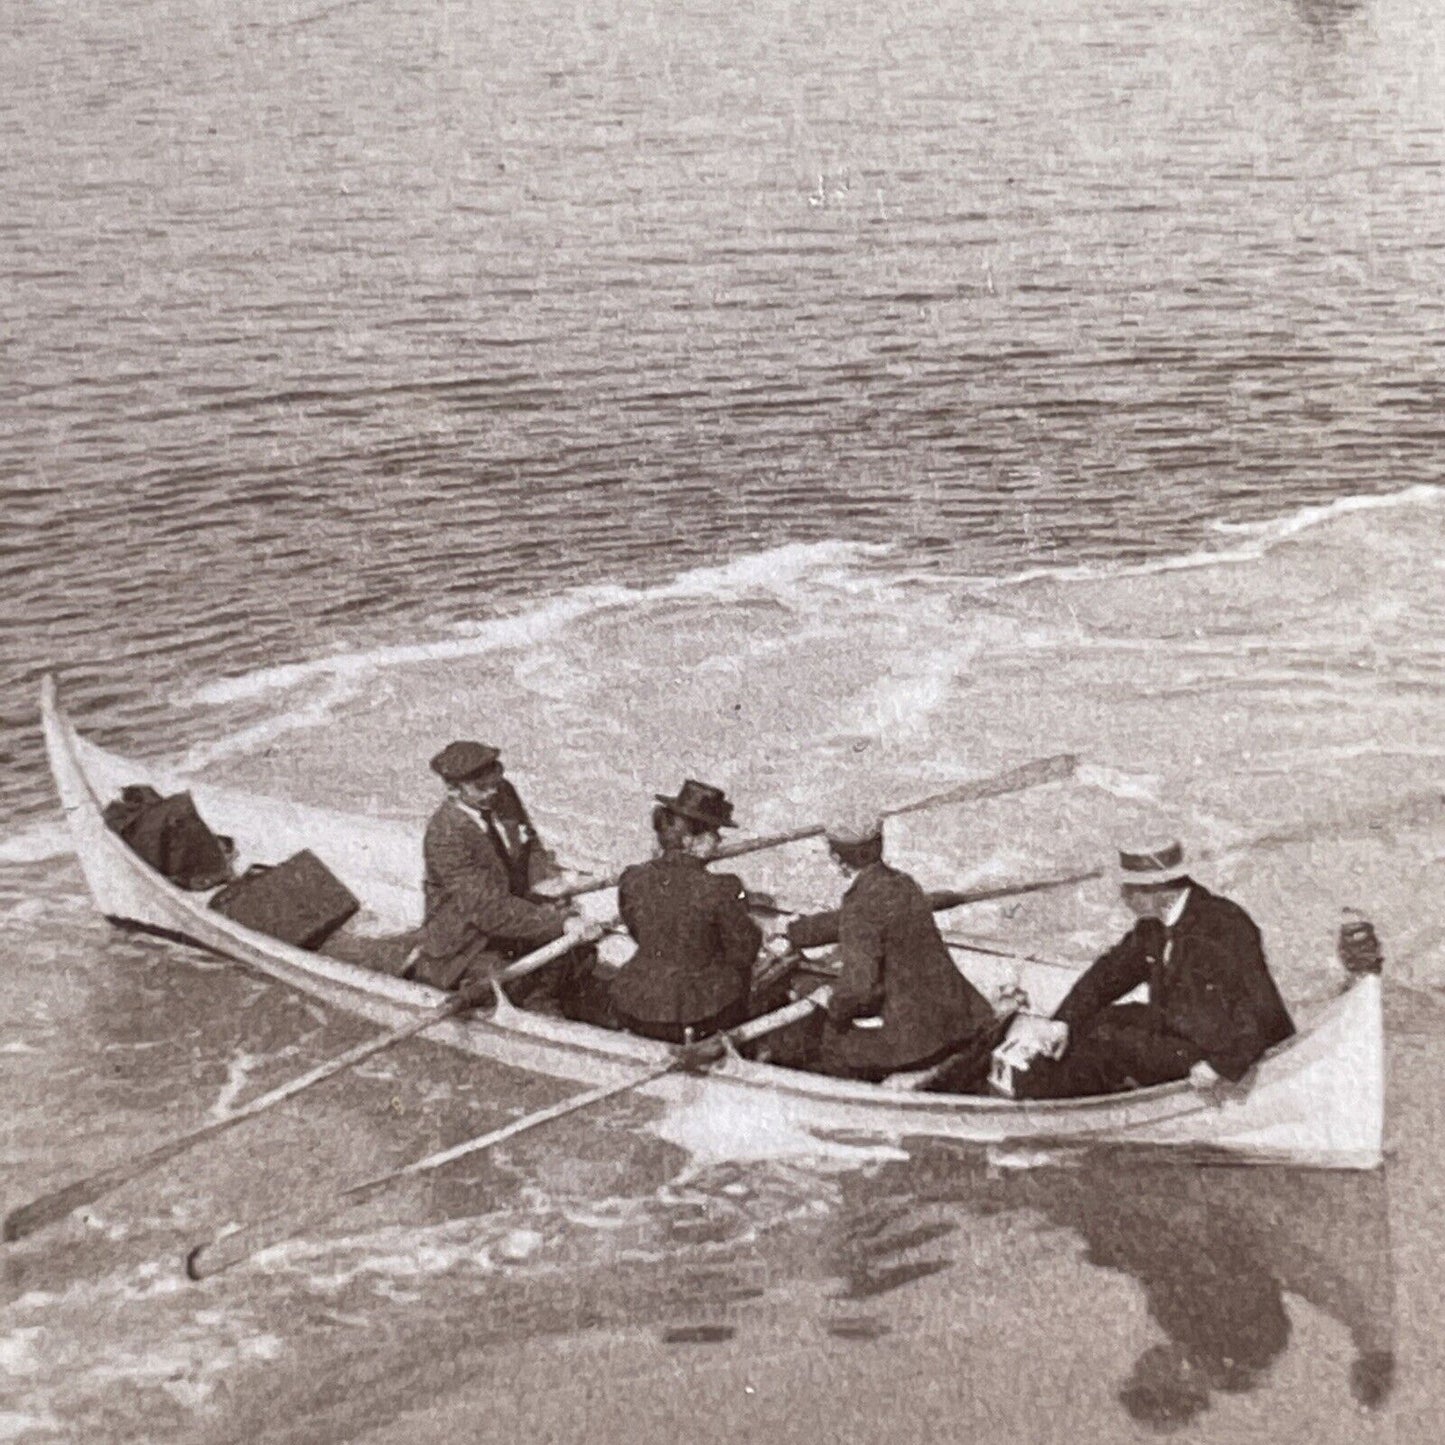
x=1262, y=537
x=1422, y=494
x=775, y=571
x=396, y=1252
x=315, y=712
x=1133, y=787
x=238, y=1070
x=713, y=1128
x=796, y=574
x=17, y=1424
x=187, y=1366
x=20, y=1352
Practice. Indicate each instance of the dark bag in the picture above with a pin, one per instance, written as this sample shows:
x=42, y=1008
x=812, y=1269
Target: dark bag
x=300, y=901
x=170, y=835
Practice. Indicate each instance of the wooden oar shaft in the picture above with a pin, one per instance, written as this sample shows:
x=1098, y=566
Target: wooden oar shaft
x=66, y=1200
x=973, y=945
x=506, y=1131
x=230, y=1249
x=779, y=1018
x=1054, y=769
x=1029, y=775
x=1014, y=780
x=817, y=930
x=942, y=900
x=70, y=1197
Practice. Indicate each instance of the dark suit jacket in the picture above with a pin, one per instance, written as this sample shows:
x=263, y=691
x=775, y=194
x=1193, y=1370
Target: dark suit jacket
x=1215, y=990
x=475, y=886
x=896, y=964
x=696, y=941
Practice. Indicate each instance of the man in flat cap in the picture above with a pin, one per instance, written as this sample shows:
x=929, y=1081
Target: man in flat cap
x=900, y=1002
x=483, y=861
x=1212, y=1007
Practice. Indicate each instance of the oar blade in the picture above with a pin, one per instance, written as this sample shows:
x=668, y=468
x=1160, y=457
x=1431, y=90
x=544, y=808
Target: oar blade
x=220, y=1254
x=50, y=1208
x=216, y=1255
x=57, y=1204
x=53, y=1207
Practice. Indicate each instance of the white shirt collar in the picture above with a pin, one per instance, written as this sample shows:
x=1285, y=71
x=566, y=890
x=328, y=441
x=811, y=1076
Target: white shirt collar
x=1176, y=912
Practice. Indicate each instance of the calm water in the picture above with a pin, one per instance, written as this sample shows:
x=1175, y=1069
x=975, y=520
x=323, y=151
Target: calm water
x=338, y=323
x=818, y=397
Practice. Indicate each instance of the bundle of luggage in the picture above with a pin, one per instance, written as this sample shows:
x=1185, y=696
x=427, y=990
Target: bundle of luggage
x=299, y=901
x=171, y=836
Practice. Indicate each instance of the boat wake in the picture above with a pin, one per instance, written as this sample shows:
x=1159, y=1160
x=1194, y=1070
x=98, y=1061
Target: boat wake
x=715, y=1129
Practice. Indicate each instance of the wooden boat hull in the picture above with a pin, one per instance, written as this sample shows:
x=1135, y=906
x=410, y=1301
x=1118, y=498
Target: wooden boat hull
x=1315, y=1101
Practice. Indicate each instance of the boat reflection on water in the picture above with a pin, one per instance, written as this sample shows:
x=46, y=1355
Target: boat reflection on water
x=1325, y=19
x=1217, y=1251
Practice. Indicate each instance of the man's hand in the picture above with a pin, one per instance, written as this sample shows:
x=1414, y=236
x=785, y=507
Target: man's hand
x=565, y=882
x=581, y=930
x=1012, y=999
x=776, y=926
x=476, y=993
x=1206, y=1080
x=1033, y=1037
x=695, y=1057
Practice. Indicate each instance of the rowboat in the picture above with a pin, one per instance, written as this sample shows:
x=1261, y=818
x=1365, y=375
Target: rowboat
x=1315, y=1101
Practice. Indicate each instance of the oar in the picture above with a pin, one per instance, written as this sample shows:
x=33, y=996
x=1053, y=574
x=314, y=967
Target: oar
x=779, y=1018
x=1408, y=808
x=70, y=1197
x=219, y=1254
x=817, y=930
x=1030, y=775
x=966, y=944
x=1015, y=780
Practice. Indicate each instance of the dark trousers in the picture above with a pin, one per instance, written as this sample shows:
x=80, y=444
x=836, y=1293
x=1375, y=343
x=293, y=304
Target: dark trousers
x=965, y=1070
x=1125, y=1046
x=549, y=989
x=676, y=1033
x=963, y=1067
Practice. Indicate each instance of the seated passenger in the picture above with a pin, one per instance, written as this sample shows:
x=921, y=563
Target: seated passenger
x=900, y=1002
x=696, y=941
x=1212, y=1007
x=482, y=861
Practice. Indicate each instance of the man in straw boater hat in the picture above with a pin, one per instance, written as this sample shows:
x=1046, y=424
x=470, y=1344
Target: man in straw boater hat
x=696, y=942
x=483, y=861
x=1212, y=1007
x=900, y=1002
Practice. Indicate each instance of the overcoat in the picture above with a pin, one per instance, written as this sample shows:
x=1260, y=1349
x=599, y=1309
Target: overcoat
x=696, y=941
x=478, y=868
x=896, y=967
x=1207, y=976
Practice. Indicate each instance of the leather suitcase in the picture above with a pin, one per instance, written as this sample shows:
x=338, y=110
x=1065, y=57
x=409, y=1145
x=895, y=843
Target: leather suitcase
x=300, y=901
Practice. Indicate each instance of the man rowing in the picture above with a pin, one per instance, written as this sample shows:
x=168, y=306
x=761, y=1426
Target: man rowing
x=1212, y=1007
x=900, y=1003
x=696, y=942
x=483, y=861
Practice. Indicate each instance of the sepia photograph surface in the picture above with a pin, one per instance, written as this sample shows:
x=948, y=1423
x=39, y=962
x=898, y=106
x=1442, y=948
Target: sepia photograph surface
x=722, y=722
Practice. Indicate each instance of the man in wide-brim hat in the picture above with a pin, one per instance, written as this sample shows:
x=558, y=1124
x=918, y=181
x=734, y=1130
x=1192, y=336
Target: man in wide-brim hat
x=1212, y=1007
x=483, y=861
x=696, y=942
